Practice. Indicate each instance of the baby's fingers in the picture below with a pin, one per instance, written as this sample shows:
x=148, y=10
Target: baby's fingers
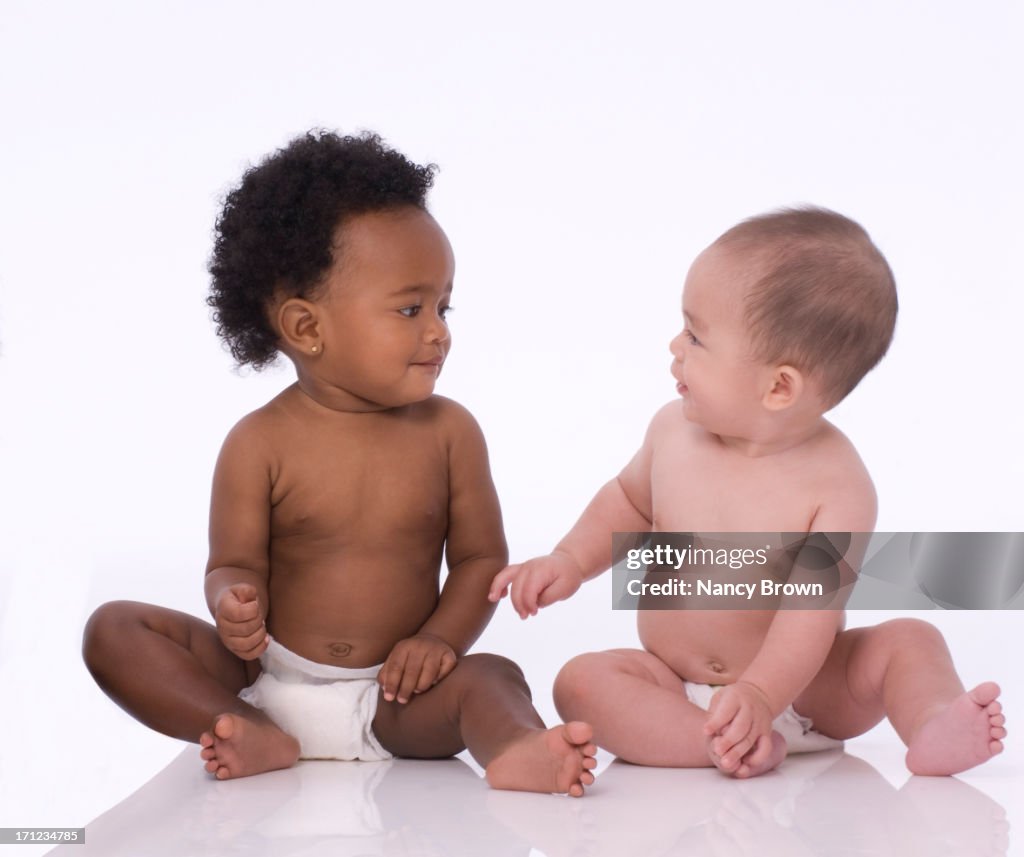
x=734, y=732
x=559, y=588
x=416, y=666
x=500, y=584
x=250, y=647
x=526, y=592
x=245, y=628
x=391, y=674
x=761, y=752
x=448, y=662
x=435, y=667
x=720, y=714
x=730, y=760
x=239, y=611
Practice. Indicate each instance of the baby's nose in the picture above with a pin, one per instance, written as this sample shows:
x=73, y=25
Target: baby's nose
x=437, y=331
x=676, y=347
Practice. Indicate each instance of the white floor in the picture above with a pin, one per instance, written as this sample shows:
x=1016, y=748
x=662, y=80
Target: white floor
x=826, y=803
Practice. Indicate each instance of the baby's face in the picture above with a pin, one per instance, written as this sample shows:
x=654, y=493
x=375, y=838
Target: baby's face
x=382, y=312
x=721, y=386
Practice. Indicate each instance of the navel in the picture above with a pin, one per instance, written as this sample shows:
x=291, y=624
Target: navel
x=339, y=650
x=716, y=667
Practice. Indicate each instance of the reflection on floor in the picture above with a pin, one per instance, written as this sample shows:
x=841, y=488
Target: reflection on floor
x=824, y=803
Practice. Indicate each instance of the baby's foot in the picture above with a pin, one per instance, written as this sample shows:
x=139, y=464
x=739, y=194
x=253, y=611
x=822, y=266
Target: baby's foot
x=752, y=765
x=547, y=760
x=963, y=734
x=237, y=747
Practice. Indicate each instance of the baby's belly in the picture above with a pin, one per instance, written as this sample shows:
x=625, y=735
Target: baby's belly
x=349, y=618
x=343, y=649
x=704, y=646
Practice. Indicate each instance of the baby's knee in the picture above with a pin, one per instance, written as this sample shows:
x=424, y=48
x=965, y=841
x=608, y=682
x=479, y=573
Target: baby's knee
x=105, y=632
x=579, y=678
x=914, y=634
x=487, y=667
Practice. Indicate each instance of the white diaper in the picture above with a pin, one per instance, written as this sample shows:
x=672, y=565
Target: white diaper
x=795, y=728
x=328, y=709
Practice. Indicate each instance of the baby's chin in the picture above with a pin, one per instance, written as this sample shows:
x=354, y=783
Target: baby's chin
x=690, y=413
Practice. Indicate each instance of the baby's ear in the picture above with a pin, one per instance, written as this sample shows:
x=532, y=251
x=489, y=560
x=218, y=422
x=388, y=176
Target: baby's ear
x=298, y=326
x=786, y=385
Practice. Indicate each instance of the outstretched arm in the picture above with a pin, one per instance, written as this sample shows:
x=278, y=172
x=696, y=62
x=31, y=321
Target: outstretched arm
x=584, y=553
x=622, y=505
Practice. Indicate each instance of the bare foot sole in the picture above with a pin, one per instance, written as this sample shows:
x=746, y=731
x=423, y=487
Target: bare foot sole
x=965, y=733
x=748, y=768
x=547, y=760
x=237, y=747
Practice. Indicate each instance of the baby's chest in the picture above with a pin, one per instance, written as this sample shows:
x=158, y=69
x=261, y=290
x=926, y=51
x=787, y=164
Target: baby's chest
x=355, y=492
x=710, y=494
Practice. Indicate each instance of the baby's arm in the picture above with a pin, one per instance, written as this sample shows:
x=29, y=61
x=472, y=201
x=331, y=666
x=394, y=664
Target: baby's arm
x=475, y=550
x=622, y=505
x=238, y=568
x=741, y=714
x=794, y=649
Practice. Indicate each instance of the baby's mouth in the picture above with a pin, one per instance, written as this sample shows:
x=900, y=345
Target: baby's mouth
x=433, y=365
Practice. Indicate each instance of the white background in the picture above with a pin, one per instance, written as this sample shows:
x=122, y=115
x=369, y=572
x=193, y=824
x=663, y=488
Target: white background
x=588, y=151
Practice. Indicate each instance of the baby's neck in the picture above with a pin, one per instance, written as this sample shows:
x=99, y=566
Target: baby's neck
x=325, y=397
x=774, y=443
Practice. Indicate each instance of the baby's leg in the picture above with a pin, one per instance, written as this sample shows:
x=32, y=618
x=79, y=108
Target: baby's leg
x=484, y=705
x=638, y=708
x=170, y=671
x=902, y=670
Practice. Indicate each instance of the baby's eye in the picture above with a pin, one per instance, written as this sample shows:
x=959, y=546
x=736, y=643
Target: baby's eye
x=693, y=339
x=410, y=311
x=443, y=312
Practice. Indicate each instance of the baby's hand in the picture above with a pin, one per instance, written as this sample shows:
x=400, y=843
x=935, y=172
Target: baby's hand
x=415, y=664
x=538, y=582
x=739, y=717
x=240, y=621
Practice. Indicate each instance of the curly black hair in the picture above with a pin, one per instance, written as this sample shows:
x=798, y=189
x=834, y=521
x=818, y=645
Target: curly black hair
x=276, y=231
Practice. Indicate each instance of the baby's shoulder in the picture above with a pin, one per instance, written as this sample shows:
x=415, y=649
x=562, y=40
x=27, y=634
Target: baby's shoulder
x=271, y=426
x=848, y=498
x=253, y=432
x=440, y=409
x=446, y=416
x=836, y=456
x=669, y=424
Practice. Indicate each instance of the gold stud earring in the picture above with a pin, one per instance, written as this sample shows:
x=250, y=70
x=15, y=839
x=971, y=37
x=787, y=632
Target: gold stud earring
x=315, y=349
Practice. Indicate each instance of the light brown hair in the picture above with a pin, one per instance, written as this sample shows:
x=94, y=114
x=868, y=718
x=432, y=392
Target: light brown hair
x=824, y=300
